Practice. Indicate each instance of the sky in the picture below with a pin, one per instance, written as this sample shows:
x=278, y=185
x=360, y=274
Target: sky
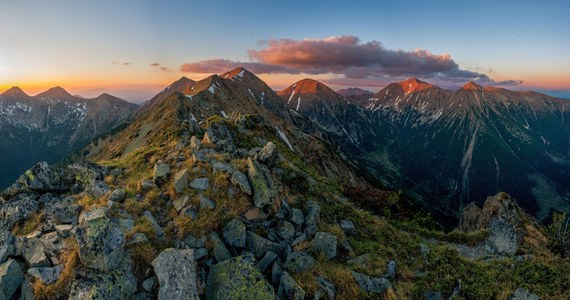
x=134, y=48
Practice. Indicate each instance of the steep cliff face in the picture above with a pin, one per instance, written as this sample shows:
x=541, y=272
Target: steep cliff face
x=51, y=125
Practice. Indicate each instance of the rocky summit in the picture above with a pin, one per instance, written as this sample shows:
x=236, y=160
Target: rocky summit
x=219, y=189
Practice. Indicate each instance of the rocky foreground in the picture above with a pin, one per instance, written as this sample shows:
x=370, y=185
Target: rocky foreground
x=201, y=218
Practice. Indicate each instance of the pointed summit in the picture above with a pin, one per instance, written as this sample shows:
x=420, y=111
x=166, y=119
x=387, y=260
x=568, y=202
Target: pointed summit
x=472, y=86
x=56, y=93
x=15, y=92
x=237, y=72
x=306, y=93
x=413, y=85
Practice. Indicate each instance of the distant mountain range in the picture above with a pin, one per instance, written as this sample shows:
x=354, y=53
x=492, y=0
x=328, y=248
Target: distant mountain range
x=51, y=125
x=444, y=148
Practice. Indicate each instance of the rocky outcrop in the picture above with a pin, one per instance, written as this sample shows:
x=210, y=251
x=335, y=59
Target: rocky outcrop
x=261, y=183
x=91, y=284
x=11, y=277
x=500, y=206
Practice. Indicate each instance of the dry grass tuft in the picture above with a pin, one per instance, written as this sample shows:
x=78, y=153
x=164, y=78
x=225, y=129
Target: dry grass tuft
x=58, y=290
x=29, y=225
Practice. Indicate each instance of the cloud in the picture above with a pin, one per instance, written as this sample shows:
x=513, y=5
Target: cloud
x=165, y=69
x=162, y=68
x=154, y=64
x=126, y=63
x=348, y=57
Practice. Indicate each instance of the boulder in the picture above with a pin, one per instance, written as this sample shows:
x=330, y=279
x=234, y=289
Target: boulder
x=239, y=179
x=91, y=284
x=200, y=184
x=160, y=173
x=7, y=245
x=180, y=202
x=312, y=218
x=97, y=189
x=348, y=227
x=18, y=209
x=297, y=262
x=324, y=243
x=62, y=210
x=262, y=185
x=34, y=252
x=194, y=242
x=325, y=289
x=268, y=155
x=259, y=245
x=46, y=275
x=235, y=233
x=523, y=294
x=391, y=271
x=41, y=178
x=100, y=243
x=267, y=260
x=502, y=240
x=206, y=203
x=147, y=184
x=11, y=277
x=181, y=181
x=176, y=272
x=297, y=217
x=64, y=230
x=371, y=284
x=220, y=251
x=117, y=195
x=286, y=230
x=238, y=278
x=155, y=226
x=289, y=289
x=149, y=284
x=500, y=206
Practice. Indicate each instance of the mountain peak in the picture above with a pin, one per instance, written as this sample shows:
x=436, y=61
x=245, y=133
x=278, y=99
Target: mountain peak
x=56, y=93
x=237, y=72
x=472, y=86
x=413, y=85
x=15, y=92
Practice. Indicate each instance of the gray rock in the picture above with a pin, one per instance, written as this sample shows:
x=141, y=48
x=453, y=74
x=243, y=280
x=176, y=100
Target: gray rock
x=276, y=273
x=239, y=179
x=200, y=253
x=348, y=227
x=155, y=226
x=181, y=181
x=100, y=243
x=286, y=230
x=116, y=172
x=523, y=294
x=189, y=211
x=160, y=173
x=117, y=195
x=147, y=184
x=53, y=243
x=176, y=272
x=391, y=271
x=238, y=278
x=123, y=224
x=259, y=245
x=262, y=185
x=46, y=275
x=297, y=217
x=92, y=284
x=268, y=155
x=371, y=284
x=97, y=189
x=267, y=261
x=63, y=211
x=326, y=289
x=149, y=284
x=11, y=277
x=312, y=218
x=180, y=202
x=220, y=251
x=194, y=242
x=26, y=290
x=41, y=178
x=34, y=252
x=206, y=203
x=200, y=184
x=298, y=262
x=7, y=245
x=235, y=233
x=301, y=238
x=325, y=243
x=198, y=156
x=289, y=289
x=218, y=166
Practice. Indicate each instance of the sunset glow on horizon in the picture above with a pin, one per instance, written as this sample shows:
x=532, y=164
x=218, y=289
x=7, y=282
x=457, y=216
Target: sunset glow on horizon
x=133, y=49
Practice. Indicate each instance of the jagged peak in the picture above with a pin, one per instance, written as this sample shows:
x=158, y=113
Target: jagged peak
x=413, y=85
x=472, y=86
x=237, y=72
x=15, y=92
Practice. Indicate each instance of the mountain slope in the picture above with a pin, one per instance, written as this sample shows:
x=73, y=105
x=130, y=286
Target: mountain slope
x=51, y=125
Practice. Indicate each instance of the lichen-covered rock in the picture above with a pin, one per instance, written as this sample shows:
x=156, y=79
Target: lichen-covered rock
x=325, y=243
x=298, y=262
x=523, y=294
x=268, y=155
x=502, y=240
x=176, y=272
x=371, y=284
x=41, y=178
x=326, y=289
x=500, y=206
x=11, y=277
x=220, y=250
x=312, y=218
x=264, y=191
x=117, y=195
x=155, y=226
x=238, y=278
x=239, y=179
x=160, y=173
x=34, y=252
x=91, y=284
x=267, y=261
x=286, y=230
x=259, y=245
x=180, y=202
x=235, y=233
x=348, y=227
x=7, y=245
x=100, y=243
x=289, y=288
x=181, y=181
x=47, y=275
x=206, y=203
x=18, y=209
x=63, y=210
x=297, y=217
